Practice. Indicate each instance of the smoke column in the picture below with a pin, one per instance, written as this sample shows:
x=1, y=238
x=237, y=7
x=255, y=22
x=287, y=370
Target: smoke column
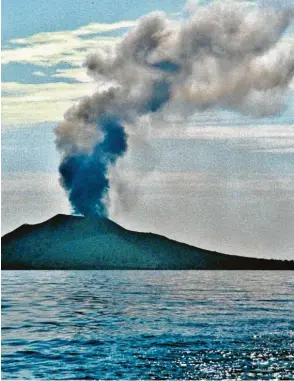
x=221, y=56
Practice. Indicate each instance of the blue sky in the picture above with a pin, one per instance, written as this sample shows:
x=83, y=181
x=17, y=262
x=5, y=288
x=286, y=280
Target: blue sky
x=37, y=16
x=230, y=159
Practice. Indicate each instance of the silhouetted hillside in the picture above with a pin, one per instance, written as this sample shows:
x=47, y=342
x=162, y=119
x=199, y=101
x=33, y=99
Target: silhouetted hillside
x=70, y=242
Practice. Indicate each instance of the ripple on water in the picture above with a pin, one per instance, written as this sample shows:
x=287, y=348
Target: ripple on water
x=147, y=325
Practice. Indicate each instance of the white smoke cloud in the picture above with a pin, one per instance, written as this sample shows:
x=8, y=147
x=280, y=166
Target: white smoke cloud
x=225, y=56
x=222, y=56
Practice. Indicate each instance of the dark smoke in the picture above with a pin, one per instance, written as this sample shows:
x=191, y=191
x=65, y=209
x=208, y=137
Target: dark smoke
x=84, y=176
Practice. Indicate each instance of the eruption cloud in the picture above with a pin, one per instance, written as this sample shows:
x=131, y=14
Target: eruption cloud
x=221, y=56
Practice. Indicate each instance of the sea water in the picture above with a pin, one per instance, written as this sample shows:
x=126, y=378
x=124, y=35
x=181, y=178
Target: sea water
x=66, y=325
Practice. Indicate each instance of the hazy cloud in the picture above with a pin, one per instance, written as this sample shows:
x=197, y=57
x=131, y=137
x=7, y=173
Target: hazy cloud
x=51, y=48
x=30, y=103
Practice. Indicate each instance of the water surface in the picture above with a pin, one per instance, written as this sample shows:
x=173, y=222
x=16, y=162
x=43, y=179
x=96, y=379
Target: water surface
x=147, y=325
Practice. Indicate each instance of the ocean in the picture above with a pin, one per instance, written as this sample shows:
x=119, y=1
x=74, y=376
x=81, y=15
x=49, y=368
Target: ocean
x=67, y=325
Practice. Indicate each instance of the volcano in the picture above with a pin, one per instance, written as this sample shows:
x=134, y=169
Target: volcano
x=85, y=243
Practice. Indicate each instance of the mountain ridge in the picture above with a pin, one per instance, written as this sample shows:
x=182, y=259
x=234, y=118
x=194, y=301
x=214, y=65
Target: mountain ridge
x=80, y=243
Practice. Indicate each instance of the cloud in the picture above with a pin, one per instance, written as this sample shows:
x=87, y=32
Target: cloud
x=100, y=28
x=221, y=57
x=187, y=182
x=39, y=73
x=208, y=132
x=245, y=214
x=77, y=74
x=278, y=4
x=31, y=103
x=30, y=197
x=52, y=48
x=266, y=138
x=193, y=5
x=66, y=48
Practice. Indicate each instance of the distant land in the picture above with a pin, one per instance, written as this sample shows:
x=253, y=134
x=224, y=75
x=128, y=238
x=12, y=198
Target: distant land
x=85, y=243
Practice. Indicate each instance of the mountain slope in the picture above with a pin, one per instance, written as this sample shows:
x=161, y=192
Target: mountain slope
x=70, y=242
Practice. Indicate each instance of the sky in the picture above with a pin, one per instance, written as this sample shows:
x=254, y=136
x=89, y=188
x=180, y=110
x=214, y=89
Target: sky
x=219, y=180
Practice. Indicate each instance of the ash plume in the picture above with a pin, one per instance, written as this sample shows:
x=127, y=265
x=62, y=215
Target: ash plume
x=223, y=55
